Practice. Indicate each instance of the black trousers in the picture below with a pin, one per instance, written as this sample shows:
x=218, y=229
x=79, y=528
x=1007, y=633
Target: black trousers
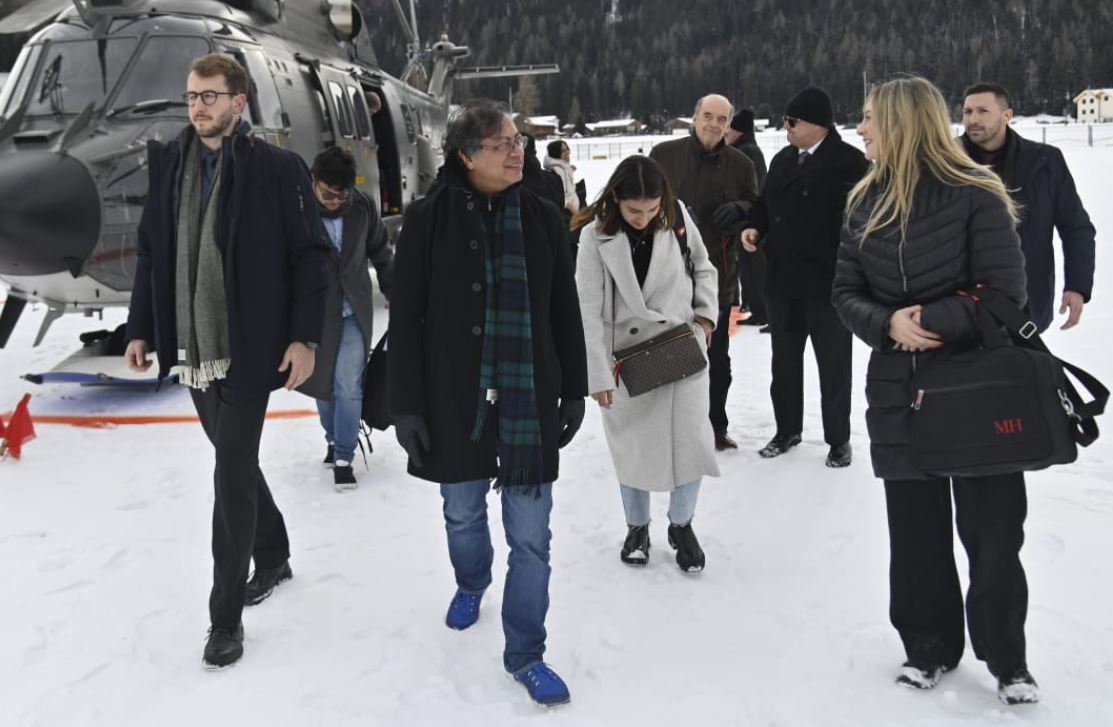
x=718, y=370
x=925, y=598
x=752, y=277
x=791, y=323
x=246, y=522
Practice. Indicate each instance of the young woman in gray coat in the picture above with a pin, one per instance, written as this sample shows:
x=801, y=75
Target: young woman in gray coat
x=634, y=284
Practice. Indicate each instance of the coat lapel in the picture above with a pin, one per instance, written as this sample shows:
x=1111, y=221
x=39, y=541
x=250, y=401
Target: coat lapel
x=615, y=253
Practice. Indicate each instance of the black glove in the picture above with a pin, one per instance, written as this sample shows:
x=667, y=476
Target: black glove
x=571, y=417
x=729, y=218
x=413, y=435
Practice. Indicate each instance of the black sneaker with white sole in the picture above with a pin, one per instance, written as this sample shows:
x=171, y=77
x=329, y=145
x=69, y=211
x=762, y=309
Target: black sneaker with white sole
x=920, y=676
x=330, y=456
x=635, y=551
x=1018, y=688
x=344, y=480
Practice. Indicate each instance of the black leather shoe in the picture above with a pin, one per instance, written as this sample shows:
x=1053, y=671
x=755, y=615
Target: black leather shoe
x=224, y=647
x=765, y=329
x=635, y=551
x=778, y=445
x=689, y=554
x=330, y=455
x=263, y=582
x=839, y=456
x=722, y=442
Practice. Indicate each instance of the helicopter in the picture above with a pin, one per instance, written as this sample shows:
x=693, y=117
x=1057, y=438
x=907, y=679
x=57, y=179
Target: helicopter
x=103, y=77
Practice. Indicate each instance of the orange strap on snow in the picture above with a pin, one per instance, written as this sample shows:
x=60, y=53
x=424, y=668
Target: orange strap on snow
x=107, y=421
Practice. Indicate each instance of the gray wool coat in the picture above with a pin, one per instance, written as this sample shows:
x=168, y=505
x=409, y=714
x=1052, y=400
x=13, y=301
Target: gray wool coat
x=662, y=438
x=365, y=238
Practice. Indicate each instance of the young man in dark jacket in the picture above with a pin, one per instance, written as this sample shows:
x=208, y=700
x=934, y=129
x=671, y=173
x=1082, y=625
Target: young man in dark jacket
x=718, y=184
x=229, y=294
x=797, y=220
x=1037, y=177
x=358, y=235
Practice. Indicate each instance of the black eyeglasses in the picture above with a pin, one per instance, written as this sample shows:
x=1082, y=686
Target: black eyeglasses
x=505, y=145
x=207, y=97
x=328, y=195
x=791, y=122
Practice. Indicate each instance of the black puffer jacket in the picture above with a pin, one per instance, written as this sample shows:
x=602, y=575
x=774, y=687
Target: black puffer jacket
x=957, y=237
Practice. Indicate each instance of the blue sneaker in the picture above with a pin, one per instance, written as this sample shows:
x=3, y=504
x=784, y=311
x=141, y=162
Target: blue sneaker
x=463, y=611
x=544, y=686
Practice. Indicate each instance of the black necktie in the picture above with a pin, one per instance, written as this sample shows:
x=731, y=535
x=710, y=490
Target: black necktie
x=803, y=156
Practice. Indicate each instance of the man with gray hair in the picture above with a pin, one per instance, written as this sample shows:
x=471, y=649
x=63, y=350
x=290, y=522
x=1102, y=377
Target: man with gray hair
x=719, y=185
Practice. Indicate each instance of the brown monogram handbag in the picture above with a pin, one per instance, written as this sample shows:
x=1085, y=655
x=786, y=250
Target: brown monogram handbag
x=663, y=359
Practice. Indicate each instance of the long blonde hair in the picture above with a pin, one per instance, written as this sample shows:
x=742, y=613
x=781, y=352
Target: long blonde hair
x=913, y=135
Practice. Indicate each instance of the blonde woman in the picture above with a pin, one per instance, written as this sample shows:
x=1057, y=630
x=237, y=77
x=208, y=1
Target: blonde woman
x=925, y=222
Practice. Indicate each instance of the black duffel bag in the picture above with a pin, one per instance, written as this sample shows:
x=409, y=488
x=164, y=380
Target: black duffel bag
x=1005, y=407
x=376, y=405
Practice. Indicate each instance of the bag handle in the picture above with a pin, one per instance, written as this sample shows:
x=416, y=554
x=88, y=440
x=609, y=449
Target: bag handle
x=1025, y=333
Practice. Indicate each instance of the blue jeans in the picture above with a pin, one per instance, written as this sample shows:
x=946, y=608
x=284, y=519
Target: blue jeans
x=682, y=504
x=340, y=416
x=525, y=598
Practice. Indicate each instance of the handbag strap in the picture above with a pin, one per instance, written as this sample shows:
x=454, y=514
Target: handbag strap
x=1025, y=333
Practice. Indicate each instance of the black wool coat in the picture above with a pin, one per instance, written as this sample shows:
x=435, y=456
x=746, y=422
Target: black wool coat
x=1042, y=186
x=799, y=215
x=957, y=237
x=276, y=258
x=437, y=314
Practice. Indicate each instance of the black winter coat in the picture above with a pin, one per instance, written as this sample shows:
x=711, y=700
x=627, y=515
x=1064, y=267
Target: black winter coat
x=437, y=313
x=748, y=146
x=1042, y=186
x=799, y=215
x=957, y=237
x=276, y=258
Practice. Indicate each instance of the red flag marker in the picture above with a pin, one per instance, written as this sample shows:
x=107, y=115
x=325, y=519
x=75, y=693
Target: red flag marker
x=20, y=429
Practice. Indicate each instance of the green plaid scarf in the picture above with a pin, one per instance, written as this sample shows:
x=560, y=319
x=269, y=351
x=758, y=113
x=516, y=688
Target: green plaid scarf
x=506, y=374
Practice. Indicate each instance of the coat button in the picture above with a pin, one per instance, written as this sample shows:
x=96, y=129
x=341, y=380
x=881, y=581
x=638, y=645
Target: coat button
x=471, y=206
x=476, y=287
x=476, y=330
x=805, y=193
x=474, y=244
x=777, y=218
x=633, y=331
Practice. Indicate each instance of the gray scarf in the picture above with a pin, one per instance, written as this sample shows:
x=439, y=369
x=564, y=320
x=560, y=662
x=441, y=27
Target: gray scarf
x=202, y=312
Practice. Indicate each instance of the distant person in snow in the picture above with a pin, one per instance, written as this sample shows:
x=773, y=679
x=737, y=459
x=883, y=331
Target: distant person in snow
x=557, y=160
x=751, y=268
x=635, y=283
x=486, y=372
x=924, y=223
x=1038, y=179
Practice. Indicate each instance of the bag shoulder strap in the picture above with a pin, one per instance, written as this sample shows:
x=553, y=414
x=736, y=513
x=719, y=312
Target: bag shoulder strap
x=680, y=229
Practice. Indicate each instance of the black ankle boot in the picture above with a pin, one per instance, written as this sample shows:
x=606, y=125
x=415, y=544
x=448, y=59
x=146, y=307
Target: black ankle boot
x=224, y=647
x=263, y=582
x=689, y=556
x=635, y=551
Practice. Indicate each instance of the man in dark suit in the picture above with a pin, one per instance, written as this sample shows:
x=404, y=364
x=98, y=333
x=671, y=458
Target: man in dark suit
x=796, y=221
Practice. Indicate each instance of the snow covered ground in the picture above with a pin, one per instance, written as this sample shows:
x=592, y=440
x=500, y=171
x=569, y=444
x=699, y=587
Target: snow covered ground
x=104, y=554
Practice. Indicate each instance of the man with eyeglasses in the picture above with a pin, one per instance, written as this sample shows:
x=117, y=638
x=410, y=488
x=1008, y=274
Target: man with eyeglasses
x=230, y=283
x=796, y=222
x=358, y=236
x=487, y=373
x=718, y=184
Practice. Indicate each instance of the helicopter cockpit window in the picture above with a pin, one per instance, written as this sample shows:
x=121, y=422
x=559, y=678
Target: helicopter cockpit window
x=343, y=110
x=159, y=74
x=75, y=72
x=16, y=86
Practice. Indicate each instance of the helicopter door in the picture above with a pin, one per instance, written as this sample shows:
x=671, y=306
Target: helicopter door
x=390, y=171
x=367, y=171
